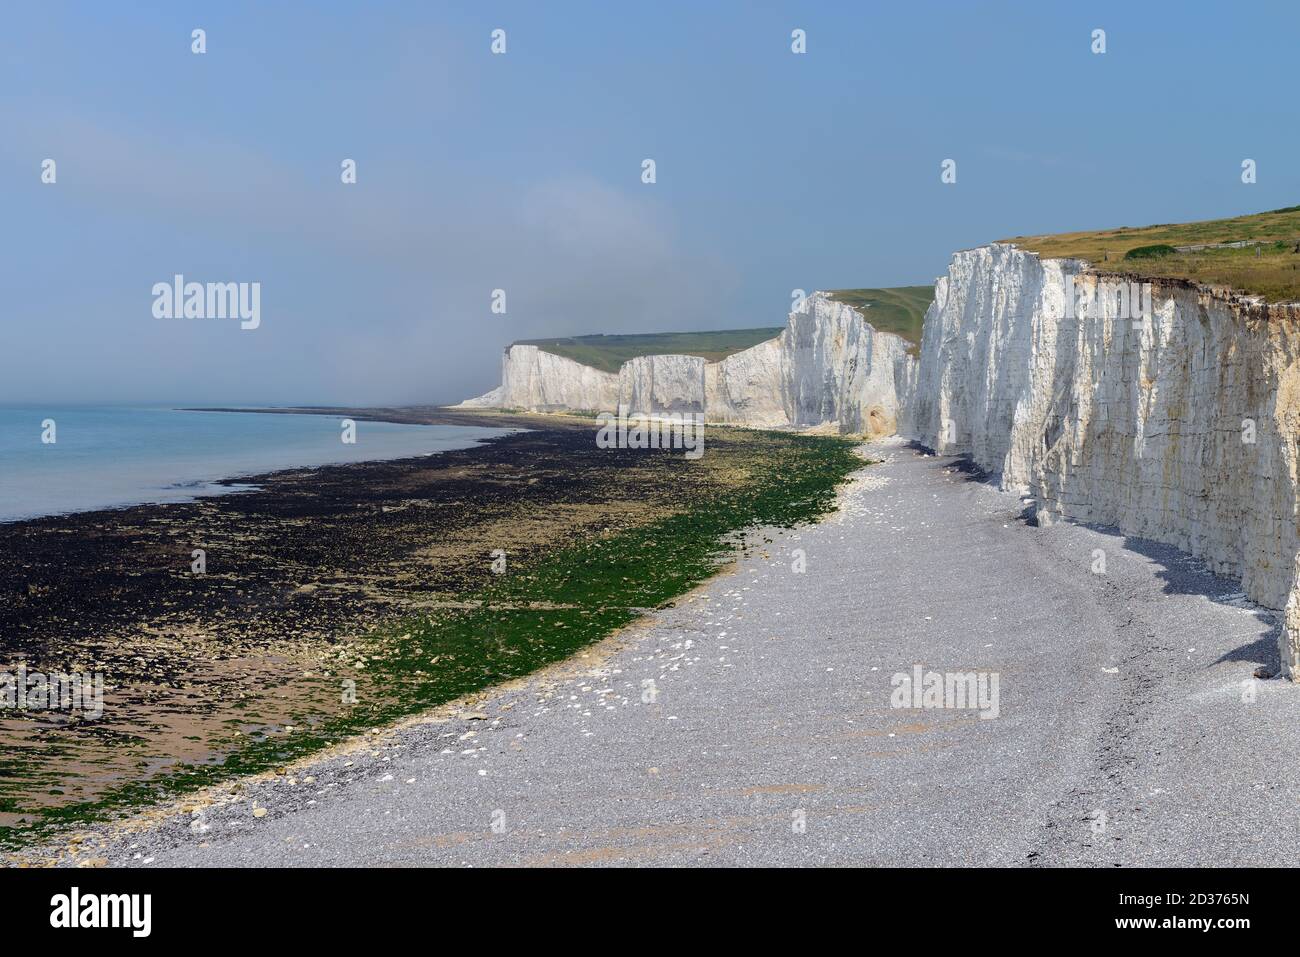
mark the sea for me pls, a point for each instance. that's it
(57, 460)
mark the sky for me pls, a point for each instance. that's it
(523, 171)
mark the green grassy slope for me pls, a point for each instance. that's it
(899, 310)
(607, 353)
(1269, 267)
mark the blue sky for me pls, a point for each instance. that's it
(775, 171)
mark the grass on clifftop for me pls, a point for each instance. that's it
(899, 310)
(608, 353)
(1269, 266)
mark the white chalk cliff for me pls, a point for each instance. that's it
(1180, 428)
(829, 367)
(541, 382)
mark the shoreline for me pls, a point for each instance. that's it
(373, 573)
(250, 478)
(764, 716)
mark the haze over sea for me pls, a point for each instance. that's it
(112, 456)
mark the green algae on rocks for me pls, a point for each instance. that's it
(684, 522)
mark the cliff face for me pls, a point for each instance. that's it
(840, 369)
(541, 382)
(749, 388)
(662, 384)
(1180, 427)
(829, 367)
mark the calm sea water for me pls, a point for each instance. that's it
(110, 457)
